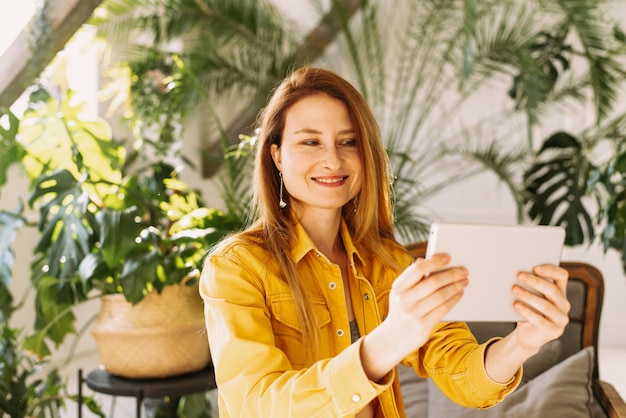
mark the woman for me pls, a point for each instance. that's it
(310, 310)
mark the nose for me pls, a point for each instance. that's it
(332, 159)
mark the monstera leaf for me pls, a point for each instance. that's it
(58, 134)
(556, 185)
(65, 230)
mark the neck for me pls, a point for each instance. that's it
(323, 228)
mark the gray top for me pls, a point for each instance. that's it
(354, 331)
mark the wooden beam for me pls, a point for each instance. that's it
(21, 63)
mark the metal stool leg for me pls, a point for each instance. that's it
(172, 406)
(80, 393)
(139, 402)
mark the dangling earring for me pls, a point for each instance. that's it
(354, 204)
(281, 202)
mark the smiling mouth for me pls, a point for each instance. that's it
(332, 180)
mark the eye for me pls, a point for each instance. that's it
(349, 142)
(311, 142)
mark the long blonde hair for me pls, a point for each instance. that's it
(369, 217)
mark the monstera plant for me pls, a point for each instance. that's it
(566, 186)
(103, 229)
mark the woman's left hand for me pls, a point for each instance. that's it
(542, 301)
(545, 309)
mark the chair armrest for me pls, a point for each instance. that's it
(611, 401)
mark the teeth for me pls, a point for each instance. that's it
(328, 181)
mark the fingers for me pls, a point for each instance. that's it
(418, 270)
(549, 281)
(540, 310)
(557, 274)
(437, 302)
(429, 286)
(544, 296)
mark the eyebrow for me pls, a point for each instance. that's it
(315, 131)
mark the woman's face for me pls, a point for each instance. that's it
(319, 155)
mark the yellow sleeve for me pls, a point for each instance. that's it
(455, 362)
(254, 377)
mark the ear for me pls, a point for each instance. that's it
(276, 156)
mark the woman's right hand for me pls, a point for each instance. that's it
(419, 298)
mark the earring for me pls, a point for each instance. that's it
(281, 202)
(354, 204)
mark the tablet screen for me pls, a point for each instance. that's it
(493, 255)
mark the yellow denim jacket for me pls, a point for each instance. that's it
(256, 346)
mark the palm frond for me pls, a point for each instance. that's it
(505, 164)
(595, 33)
(223, 44)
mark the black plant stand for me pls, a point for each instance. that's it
(99, 380)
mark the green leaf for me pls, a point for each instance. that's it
(55, 319)
(118, 231)
(139, 270)
(11, 152)
(10, 224)
(619, 165)
(91, 404)
(46, 394)
(195, 406)
(15, 367)
(556, 187)
(36, 343)
(595, 33)
(59, 135)
(11, 131)
(559, 141)
(63, 223)
(618, 33)
(612, 216)
(90, 266)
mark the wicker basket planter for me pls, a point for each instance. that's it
(161, 336)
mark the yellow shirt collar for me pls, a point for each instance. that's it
(304, 244)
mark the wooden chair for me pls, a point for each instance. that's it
(585, 293)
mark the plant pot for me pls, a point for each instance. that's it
(161, 336)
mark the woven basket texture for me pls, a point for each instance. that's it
(161, 336)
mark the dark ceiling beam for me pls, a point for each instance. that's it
(25, 59)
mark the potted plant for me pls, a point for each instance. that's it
(104, 231)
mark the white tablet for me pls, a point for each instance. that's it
(493, 255)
